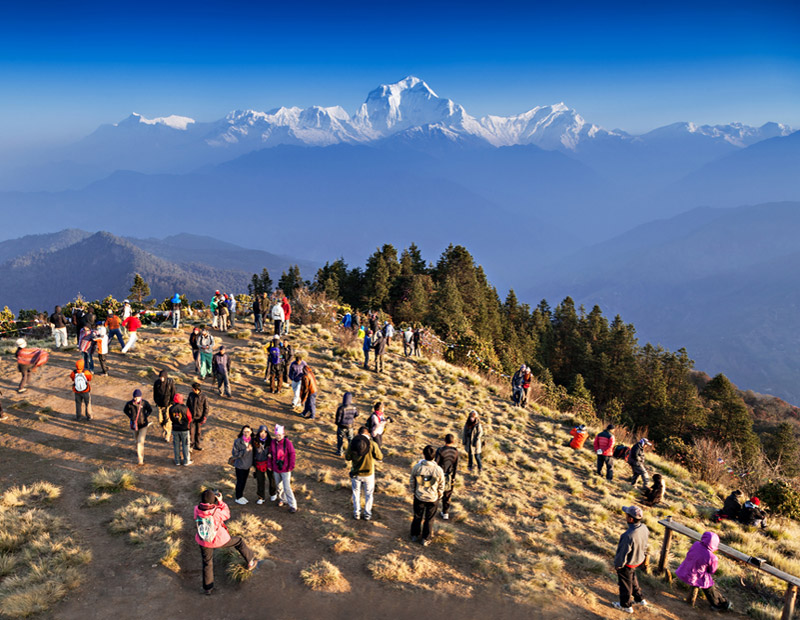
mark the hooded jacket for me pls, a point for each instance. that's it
(472, 437)
(700, 562)
(261, 448)
(636, 458)
(281, 456)
(276, 314)
(347, 412)
(163, 390)
(427, 481)
(308, 384)
(287, 309)
(578, 438)
(296, 370)
(363, 452)
(179, 415)
(220, 513)
(87, 373)
(632, 547)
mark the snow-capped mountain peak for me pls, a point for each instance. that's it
(173, 121)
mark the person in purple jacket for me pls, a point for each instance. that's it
(699, 566)
(281, 462)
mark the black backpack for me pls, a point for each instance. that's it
(621, 451)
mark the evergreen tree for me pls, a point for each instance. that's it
(377, 281)
(781, 446)
(729, 420)
(290, 282)
(418, 265)
(447, 311)
(140, 289)
(260, 284)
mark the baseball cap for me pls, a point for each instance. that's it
(633, 511)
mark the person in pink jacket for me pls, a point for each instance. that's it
(209, 517)
(699, 566)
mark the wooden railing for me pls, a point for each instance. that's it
(792, 582)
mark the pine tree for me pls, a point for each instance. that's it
(260, 284)
(290, 282)
(377, 281)
(447, 311)
(782, 448)
(729, 419)
(140, 289)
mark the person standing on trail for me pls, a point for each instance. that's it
(604, 448)
(631, 553)
(206, 344)
(308, 393)
(636, 460)
(221, 365)
(427, 487)
(417, 340)
(408, 337)
(138, 411)
(132, 324)
(363, 452)
(77, 320)
(209, 517)
(82, 388)
(224, 313)
(273, 375)
(261, 444)
(281, 461)
(113, 324)
(212, 307)
(447, 459)
(258, 319)
(180, 420)
(287, 313)
(59, 323)
(472, 438)
(366, 348)
(176, 311)
(296, 369)
(376, 424)
(163, 393)
(126, 309)
(197, 402)
(86, 345)
(388, 333)
(28, 360)
(278, 317)
(195, 348)
(242, 461)
(346, 413)
(379, 345)
(579, 436)
(697, 569)
(101, 347)
(232, 308)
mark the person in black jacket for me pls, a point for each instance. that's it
(636, 461)
(380, 350)
(181, 420)
(345, 418)
(752, 515)
(138, 411)
(261, 447)
(163, 393)
(197, 402)
(221, 366)
(447, 459)
(730, 509)
(59, 322)
(195, 348)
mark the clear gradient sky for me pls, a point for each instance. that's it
(66, 67)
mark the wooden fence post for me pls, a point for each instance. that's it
(662, 561)
(788, 602)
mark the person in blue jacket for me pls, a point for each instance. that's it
(367, 347)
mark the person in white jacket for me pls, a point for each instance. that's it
(101, 344)
(278, 317)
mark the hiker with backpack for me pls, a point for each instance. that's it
(604, 448)
(132, 324)
(180, 420)
(281, 461)
(631, 553)
(163, 394)
(472, 439)
(82, 388)
(273, 375)
(698, 568)
(346, 414)
(101, 347)
(138, 411)
(86, 346)
(654, 494)
(209, 517)
(296, 369)
(427, 487)
(362, 453)
(636, 461)
(579, 436)
(261, 445)
(205, 342)
(376, 423)
(242, 461)
(221, 366)
(308, 394)
(447, 459)
(197, 403)
(59, 323)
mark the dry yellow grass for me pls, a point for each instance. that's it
(113, 480)
(148, 523)
(324, 577)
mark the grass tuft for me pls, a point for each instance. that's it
(324, 577)
(113, 480)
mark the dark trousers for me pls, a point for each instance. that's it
(446, 500)
(478, 460)
(261, 478)
(640, 471)
(24, 371)
(241, 480)
(378, 362)
(196, 435)
(424, 513)
(629, 589)
(310, 409)
(341, 433)
(278, 324)
(274, 377)
(715, 597)
(406, 348)
(378, 439)
(102, 359)
(237, 542)
(366, 359)
(196, 358)
(608, 462)
(83, 402)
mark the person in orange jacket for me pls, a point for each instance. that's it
(579, 435)
(82, 387)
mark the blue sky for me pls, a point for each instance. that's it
(67, 67)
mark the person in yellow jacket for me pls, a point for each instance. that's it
(427, 487)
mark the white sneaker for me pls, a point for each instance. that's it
(642, 603)
(241, 501)
(445, 516)
(626, 610)
(187, 463)
(272, 498)
(260, 501)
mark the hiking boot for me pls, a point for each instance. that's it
(198, 449)
(242, 501)
(88, 417)
(414, 538)
(625, 610)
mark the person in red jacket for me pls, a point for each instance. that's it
(209, 517)
(132, 324)
(579, 435)
(604, 447)
(82, 387)
(287, 312)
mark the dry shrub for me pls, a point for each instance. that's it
(148, 523)
(242, 334)
(393, 568)
(324, 577)
(258, 533)
(38, 492)
(113, 480)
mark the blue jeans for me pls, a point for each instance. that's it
(258, 322)
(118, 334)
(88, 362)
(368, 484)
(176, 319)
(310, 410)
(180, 444)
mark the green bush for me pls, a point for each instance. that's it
(781, 498)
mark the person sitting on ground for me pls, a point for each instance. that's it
(654, 494)
(210, 516)
(698, 567)
(730, 509)
(752, 515)
(579, 435)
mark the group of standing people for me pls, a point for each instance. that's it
(279, 311)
